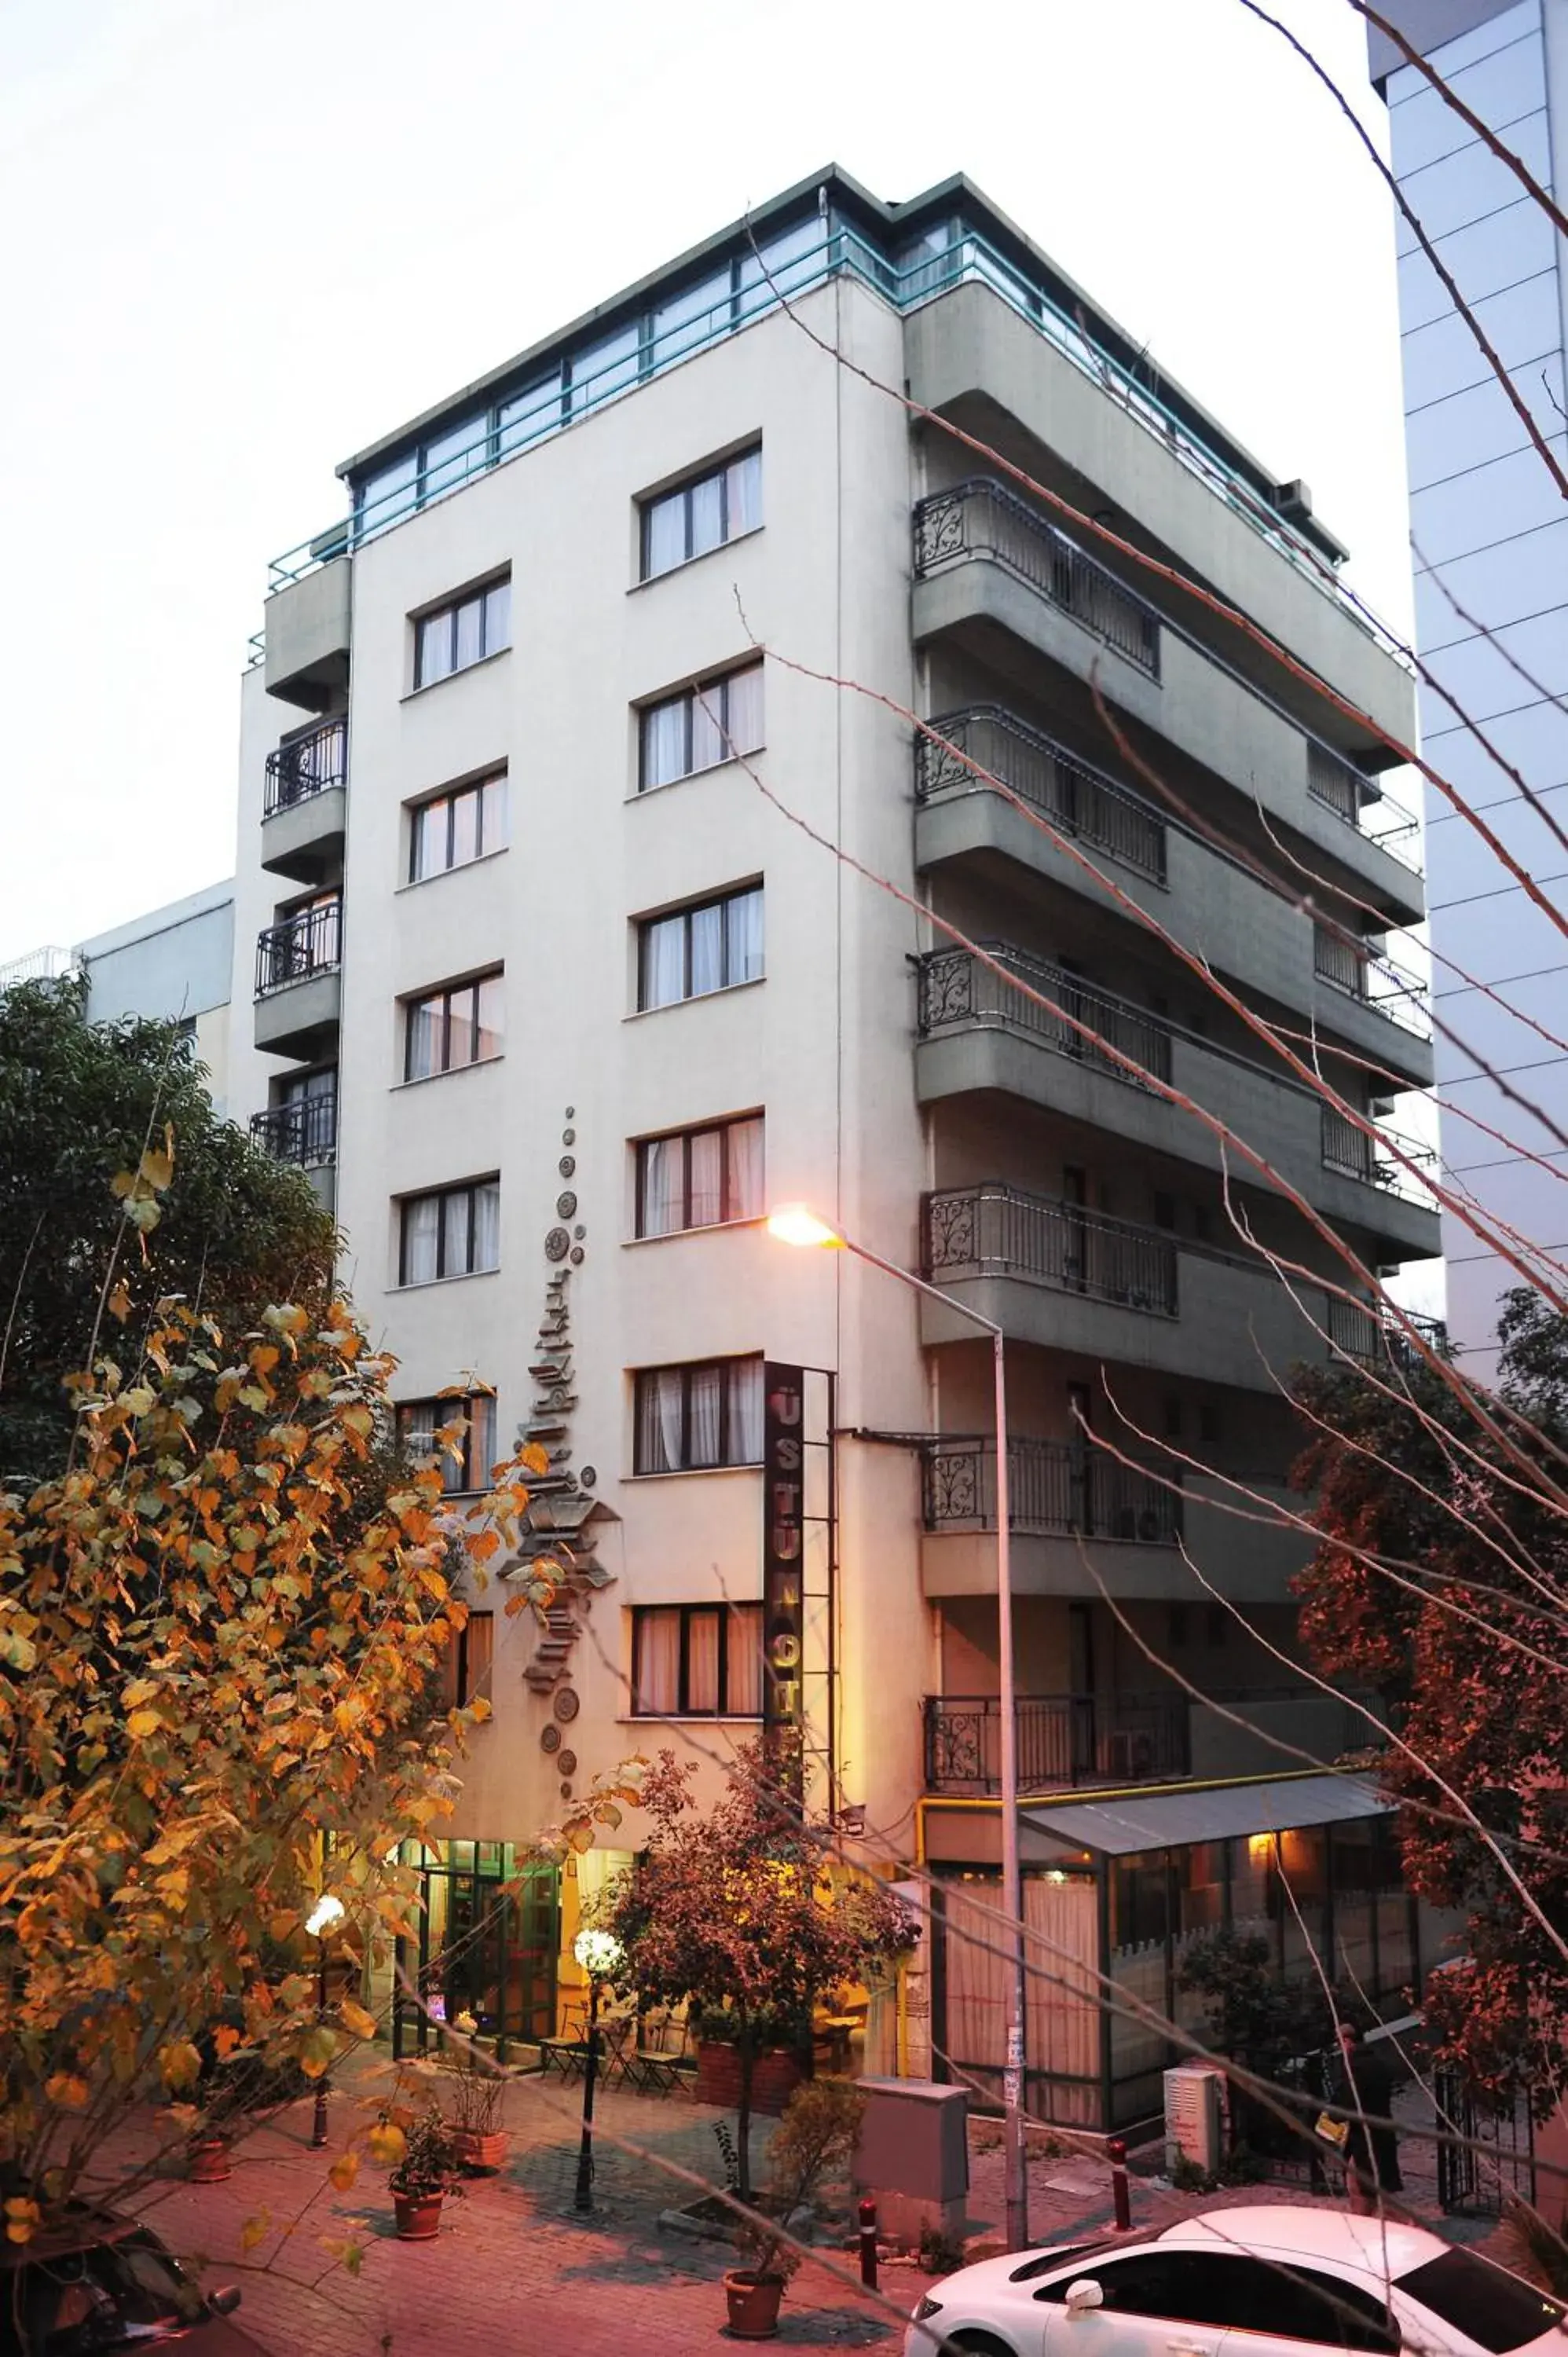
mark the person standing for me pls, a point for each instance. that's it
(1365, 2091)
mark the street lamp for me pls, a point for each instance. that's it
(599, 1952)
(326, 1911)
(796, 1223)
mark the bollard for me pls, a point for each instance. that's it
(868, 2243)
(1117, 2152)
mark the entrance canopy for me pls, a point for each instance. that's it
(1122, 1827)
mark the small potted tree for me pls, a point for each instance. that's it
(815, 2140)
(477, 2089)
(424, 2176)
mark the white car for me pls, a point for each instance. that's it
(1261, 2281)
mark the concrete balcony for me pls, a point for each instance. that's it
(308, 628)
(305, 810)
(980, 1034)
(300, 982)
(995, 577)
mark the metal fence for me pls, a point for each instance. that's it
(1054, 1486)
(307, 944)
(305, 766)
(305, 1131)
(1079, 800)
(1062, 1740)
(956, 988)
(983, 519)
(1347, 1148)
(997, 1231)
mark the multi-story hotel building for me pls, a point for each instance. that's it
(557, 984)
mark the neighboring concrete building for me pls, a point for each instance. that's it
(175, 963)
(563, 1001)
(1491, 537)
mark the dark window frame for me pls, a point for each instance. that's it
(443, 1195)
(445, 998)
(686, 1139)
(474, 791)
(692, 908)
(468, 1663)
(687, 1369)
(684, 1708)
(719, 471)
(714, 691)
(448, 612)
(443, 1412)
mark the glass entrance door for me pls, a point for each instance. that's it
(489, 1935)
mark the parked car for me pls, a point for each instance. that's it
(1259, 2281)
(101, 2283)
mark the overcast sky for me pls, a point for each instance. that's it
(248, 236)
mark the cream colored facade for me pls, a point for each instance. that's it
(888, 1083)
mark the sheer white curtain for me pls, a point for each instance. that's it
(656, 1666)
(487, 1227)
(708, 949)
(661, 1181)
(746, 493)
(426, 1020)
(658, 1420)
(706, 1202)
(743, 715)
(664, 742)
(745, 1197)
(744, 928)
(421, 1228)
(974, 2034)
(743, 1698)
(709, 725)
(703, 1428)
(663, 961)
(663, 536)
(745, 1412)
(702, 1661)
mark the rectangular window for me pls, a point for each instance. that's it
(462, 633)
(449, 1029)
(454, 1231)
(701, 514)
(697, 1660)
(711, 946)
(467, 1666)
(451, 829)
(466, 1453)
(705, 1413)
(699, 1177)
(700, 727)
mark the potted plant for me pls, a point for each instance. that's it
(424, 2176)
(236, 2088)
(815, 2140)
(477, 2087)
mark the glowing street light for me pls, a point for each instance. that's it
(796, 1223)
(599, 1953)
(326, 1911)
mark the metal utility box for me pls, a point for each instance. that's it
(1193, 2115)
(913, 2155)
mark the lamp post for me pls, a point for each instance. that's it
(326, 1911)
(599, 1952)
(794, 1223)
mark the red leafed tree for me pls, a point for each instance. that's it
(741, 1912)
(1459, 1626)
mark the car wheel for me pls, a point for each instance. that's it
(979, 2344)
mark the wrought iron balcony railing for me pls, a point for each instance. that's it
(1063, 1740)
(1054, 1487)
(309, 943)
(983, 519)
(1375, 982)
(1350, 1151)
(1361, 1331)
(998, 1231)
(305, 766)
(956, 989)
(1076, 796)
(305, 1132)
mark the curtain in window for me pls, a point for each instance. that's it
(656, 1667)
(703, 1416)
(664, 743)
(663, 534)
(974, 2034)
(708, 725)
(470, 632)
(416, 1428)
(743, 920)
(490, 1030)
(702, 1661)
(433, 653)
(426, 1026)
(743, 1637)
(745, 714)
(480, 1636)
(659, 1210)
(663, 961)
(658, 1420)
(497, 617)
(706, 1203)
(428, 847)
(421, 1229)
(493, 827)
(481, 1440)
(488, 1226)
(745, 1170)
(465, 829)
(707, 505)
(745, 1411)
(746, 494)
(708, 949)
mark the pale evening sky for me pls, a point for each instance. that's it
(249, 236)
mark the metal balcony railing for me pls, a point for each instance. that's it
(309, 943)
(1348, 1150)
(306, 766)
(998, 1231)
(1054, 1486)
(1062, 1740)
(1375, 981)
(304, 1132)
(983, 519)
(1345, 789)
(956, 990)
(1079, 800)
(1362, 1330)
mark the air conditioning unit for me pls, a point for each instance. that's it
(1294, 501)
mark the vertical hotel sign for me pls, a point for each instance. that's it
(783, 1535)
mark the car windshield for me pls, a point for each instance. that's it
(1046, 2263)
(113, 2296)
(1498, 2311)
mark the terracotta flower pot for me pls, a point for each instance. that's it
(207, 2160)
(418, 2216)
(774, 2079)
(753, 2303)
(479, 2149)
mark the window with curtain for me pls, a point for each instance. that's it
(452, 828)
(711, 946)
(706, 1413)
(699, 1177)
(453, 1232)
(701, 514)
(467, 1665)
(449, 1029)
(462, 633)
(697, 1660)
(467, 1450)
(700, 727)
